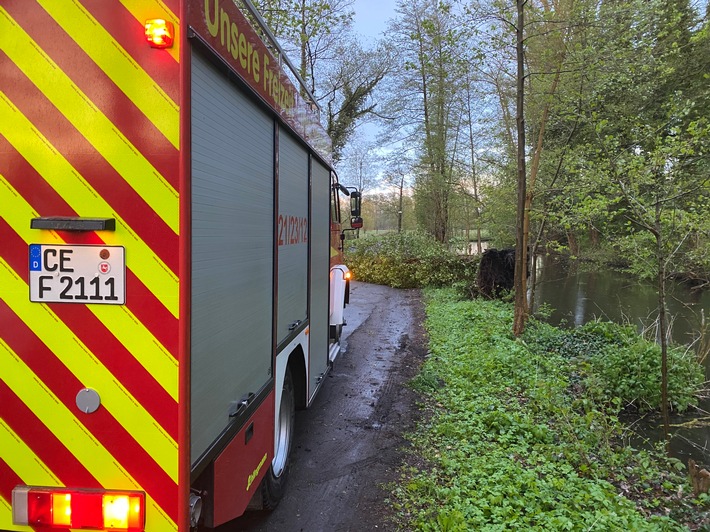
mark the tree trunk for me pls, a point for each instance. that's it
(662, 325)
(401, 204)
(594, 236)
(572, 243)
(520, 284)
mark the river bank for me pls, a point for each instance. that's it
(578, 293)
(520, 436)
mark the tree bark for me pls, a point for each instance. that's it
(520, 284)
(662, 325)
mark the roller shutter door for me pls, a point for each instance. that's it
(292, 235)
(232, 250)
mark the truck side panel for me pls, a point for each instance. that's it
(89, 128)
(232, 251)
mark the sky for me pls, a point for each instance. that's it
(371, 16)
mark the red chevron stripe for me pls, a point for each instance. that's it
(130, 34)
(8, 480)
(42, 442)
(112, 354)
(102, 425)
(89, 163)
(173, 5)
(44, 199)
(93, 82)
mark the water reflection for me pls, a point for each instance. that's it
(578, 295)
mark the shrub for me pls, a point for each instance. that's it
(407, 260)
(629, 367)
(618, 365)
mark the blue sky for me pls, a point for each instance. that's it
(371, 16)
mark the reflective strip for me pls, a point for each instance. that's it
(143, 10)
(85, 201)
(88, 370)
(96, 127)
(127, 329)
(21, 212)
(67, 428)
(138, 340)
(118, 65)
(60, 421)
(19, 457)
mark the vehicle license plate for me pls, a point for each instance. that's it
(77, 274)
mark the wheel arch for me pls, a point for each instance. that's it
(297, 364)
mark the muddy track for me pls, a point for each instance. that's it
(349, 443)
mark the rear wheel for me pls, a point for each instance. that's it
(274, 484)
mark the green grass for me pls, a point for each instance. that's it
(515, 441)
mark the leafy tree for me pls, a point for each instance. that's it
(423, 106)
(336, 69)
(540, 35)
(645, 145)
(349, 90)
(310, 28)
(398, 179)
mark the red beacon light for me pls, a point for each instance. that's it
(159, 33)
(43, 507)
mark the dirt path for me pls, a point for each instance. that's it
(350, 441)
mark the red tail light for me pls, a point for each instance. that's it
(78, 508)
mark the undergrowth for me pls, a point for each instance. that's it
(523, 435)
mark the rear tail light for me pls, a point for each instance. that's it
(78, 508)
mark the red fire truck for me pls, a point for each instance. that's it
(171, 281)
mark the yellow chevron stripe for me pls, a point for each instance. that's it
(139, 341)
(67, 428)
(86, 201)
(94, 125)
(124, 325)
(88, 369)
(20, 208)
(6, 518)
(118, 65)
(20, 458)
(143, 10)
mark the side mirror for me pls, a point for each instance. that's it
(356, 222)
(355, 201)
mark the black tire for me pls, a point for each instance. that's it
(273, 486)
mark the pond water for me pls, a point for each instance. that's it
(578, 295)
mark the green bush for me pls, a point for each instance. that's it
(619, 366)
(629, 367)
(407, 260)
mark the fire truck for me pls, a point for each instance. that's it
(172, 285)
